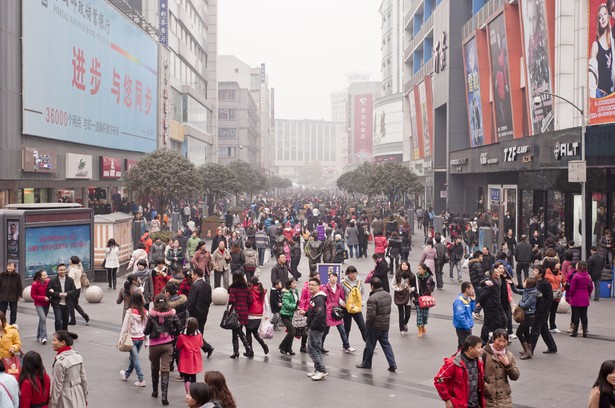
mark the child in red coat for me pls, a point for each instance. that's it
(189, 345)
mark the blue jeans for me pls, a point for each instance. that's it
(261, 256)
(373, 336)
(133, 360)
(41, 331)
(343, 335)
(314, 349)
(356, 250)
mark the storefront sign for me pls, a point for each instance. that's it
(39, 160)
(512, 153)
(129, 164)
(486, 160)
(439, 54)
(428, 165)
(78, 166)
(459, 162)
(177, 131)
(110, 167)
(564, 150)
(494, 194)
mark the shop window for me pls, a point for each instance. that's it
(556, 217)
(598, 217)
(527, 206)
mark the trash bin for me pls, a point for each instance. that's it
(606, 288)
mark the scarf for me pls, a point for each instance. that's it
(497, 353)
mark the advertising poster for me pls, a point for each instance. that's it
(600, 71)
(536, 45)
(498, 53)
(475, 113)
(363, 125)
(324, 269)
(46, 247)
(416, 151)
(12, 243)
(425, 120)
(79, 57)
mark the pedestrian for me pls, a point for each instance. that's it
(378, 317)
(290, 298)
(130, 286)
(354, 294)
(529, 299)
(174, 255)
(199, 395)
(393, 251)
(523, 256)
(34, 383)
(456, 258)
(352, 239)
(594, 268)
(602, 394)
(221, 259)
(75, 271)
(240, 298)
(258, 310)
(10, 290)
(557, 280)
(221, 394)
(581, 287)
(134, 326)
(335, 301)
(137, 255)
(539, 328)
(280, 270)
(424, 287)
(202, 260)
(404, 284)
(112, 262)
(317, 325)
(460, 380)
(10, 386)
(199, 300)
(381, 270)
(161, 326)
(237, 258)
(429, 256)
(380, 243)
(477, 276)
(61, 291)
(500, 367)
(69, 384)
(463, 309)
(442, 257)
(251, 259)
(146, 281)
(275, 302)
(491, 301)
(38, 291)
(189, 345)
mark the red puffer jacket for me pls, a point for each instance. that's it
(381, 244)
(451, 382)
(258, 300)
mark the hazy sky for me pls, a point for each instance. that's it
(307, 47)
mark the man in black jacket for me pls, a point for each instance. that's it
(491, 301)
(60, 291)
(199, 300)
(594, 268)
(317, 325)
(280, 271)
(10, 290)
(381, 271)
(523, 256)
(488, 260)
(543, 305)
(440, 260)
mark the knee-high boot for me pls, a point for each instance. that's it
(207, 348)
(249, 352)
(164, 387)
(235, 347)
(155, 376)
(262, 343)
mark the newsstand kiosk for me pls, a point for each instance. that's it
(41, 236)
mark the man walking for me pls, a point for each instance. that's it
(377, 319)
(440, 260)
(523, 256)
(199, 300)
(463, 307)
(594, 268)
(61, 291)
(460, 380)
(543, 306)
(317, 325)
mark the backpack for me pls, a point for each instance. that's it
(250, 258)
(354, 302)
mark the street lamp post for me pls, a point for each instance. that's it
(538, 101)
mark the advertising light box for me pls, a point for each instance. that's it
(89, 75)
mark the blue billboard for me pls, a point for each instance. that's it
(46, 247)
(89, 75)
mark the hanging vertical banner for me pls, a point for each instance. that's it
(537, 62)
(475, 115)
(601, 74)
(426, 125)
(416, 152)
(498, 53)
(363, 125)
(163, 22)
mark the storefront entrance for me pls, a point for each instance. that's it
(502, 206)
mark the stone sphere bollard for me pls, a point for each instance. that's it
(219, 296)
(26, 294)
(563, 307)
(94, 294)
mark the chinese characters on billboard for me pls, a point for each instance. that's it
(95, 58)
(475, 114)
(363, 126)
(536, 42)
(601, 74)
(425, 120)
(498, 53)
(416, 151)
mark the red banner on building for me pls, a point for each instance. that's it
(110, 167)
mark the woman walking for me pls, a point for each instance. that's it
(429, 255)
(69, 385)
(10, 341)
(424, 287)
(189, 345)
(256, 313)
(500, 367)
(123, 297)
(112, 261)
(528, 302)
(557, 280)
(352, 283)
(290, 298)
(237, 259)
(581, 288)
(161, 326)
(34, 383)
(240, 297)
(394, 251)
(404, 284)
(134, 324)
(75, 271)
(41, 303)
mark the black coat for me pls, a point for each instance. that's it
(10, 286)
(476, 272)
(491, 296)
(594, 266)
(56, 286)
(317, 313)
(544, 302)
(523, 252)
(199, 299)
(381, 271)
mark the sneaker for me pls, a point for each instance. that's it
(350, 350)
(318, 376)
(555, 330)
(311, 374)
(512, 336)
(43, 341)
(140, 384)
(123, 375)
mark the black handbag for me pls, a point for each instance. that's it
(230, 320)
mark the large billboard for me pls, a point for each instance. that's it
(46, 247)
(416, 150)
(498, 53)
(601, 74)
(89, 75)
(537, 62)
(426, 127)
(363, 125)
(475, 110)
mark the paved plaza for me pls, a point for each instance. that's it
(560, 380)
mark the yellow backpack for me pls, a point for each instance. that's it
(354, 302)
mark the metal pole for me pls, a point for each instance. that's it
(583, 192)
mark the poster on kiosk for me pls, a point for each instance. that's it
(42, 236)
